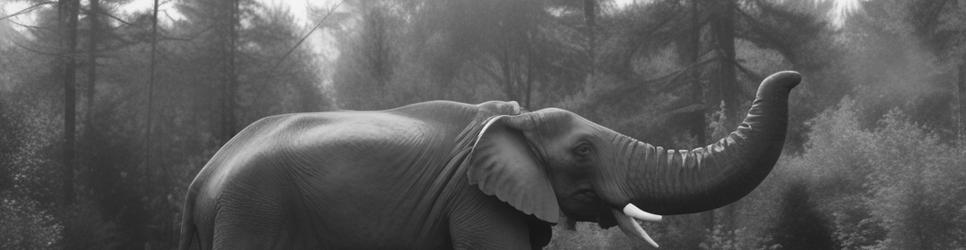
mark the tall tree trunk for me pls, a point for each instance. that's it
(590, 21)
(149, 123)
(528, 88)
(507, 70)
(229, 71)
(89, 127)
(723, 28)
(697, 89)
(67, 12)
(960, 106)
(149, 114)
(380, 59)
(94, 23)
(698, 124)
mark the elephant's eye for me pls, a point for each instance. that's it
(583, 150)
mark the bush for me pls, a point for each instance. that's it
(915, 186)
(25, 225)
(800, 225)
(894, 185)
(88, 229)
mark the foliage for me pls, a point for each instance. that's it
(800, 225)
(125, 199)
(720, 238)
(914, 187)
(886, 187)
(837, 173)
(31, 132)
(24, 224)
(587, 236)
(88, 229)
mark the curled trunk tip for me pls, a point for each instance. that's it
(686, 181)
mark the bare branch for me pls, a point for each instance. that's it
(28, 9)
(115, 18)
(686, 69)
(38, 51)
(665, 81)
(747, 72)
(748, 92)
(306, 36)
(487, 70)
(33, 27)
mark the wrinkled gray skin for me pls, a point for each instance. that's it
(428, 176)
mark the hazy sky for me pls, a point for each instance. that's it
(299, 8)
(322, 41)
(300, 11)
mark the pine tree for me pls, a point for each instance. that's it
(800, 225)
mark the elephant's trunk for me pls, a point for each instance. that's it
(687, 181)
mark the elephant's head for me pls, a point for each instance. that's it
(550, 161)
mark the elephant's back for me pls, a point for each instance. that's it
(347, 170)
(348, 137)
(337, 165)
(311, 143)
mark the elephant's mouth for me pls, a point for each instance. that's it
(586, 195)
(581, 204)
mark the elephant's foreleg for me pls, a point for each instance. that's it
(488, 223)
(252, 226)
(261, 221)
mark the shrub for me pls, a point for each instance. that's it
(25, 225)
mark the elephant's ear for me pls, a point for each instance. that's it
(502, 164)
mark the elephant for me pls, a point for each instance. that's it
(449, 175)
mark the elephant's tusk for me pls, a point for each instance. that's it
(637, 213)
(631, 228)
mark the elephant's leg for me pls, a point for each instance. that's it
(249, 226)
(488, 223)
(259, 221)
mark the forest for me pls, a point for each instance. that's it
(107, 112)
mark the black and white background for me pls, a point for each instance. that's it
(105, 117)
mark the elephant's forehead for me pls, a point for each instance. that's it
(569, 124)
